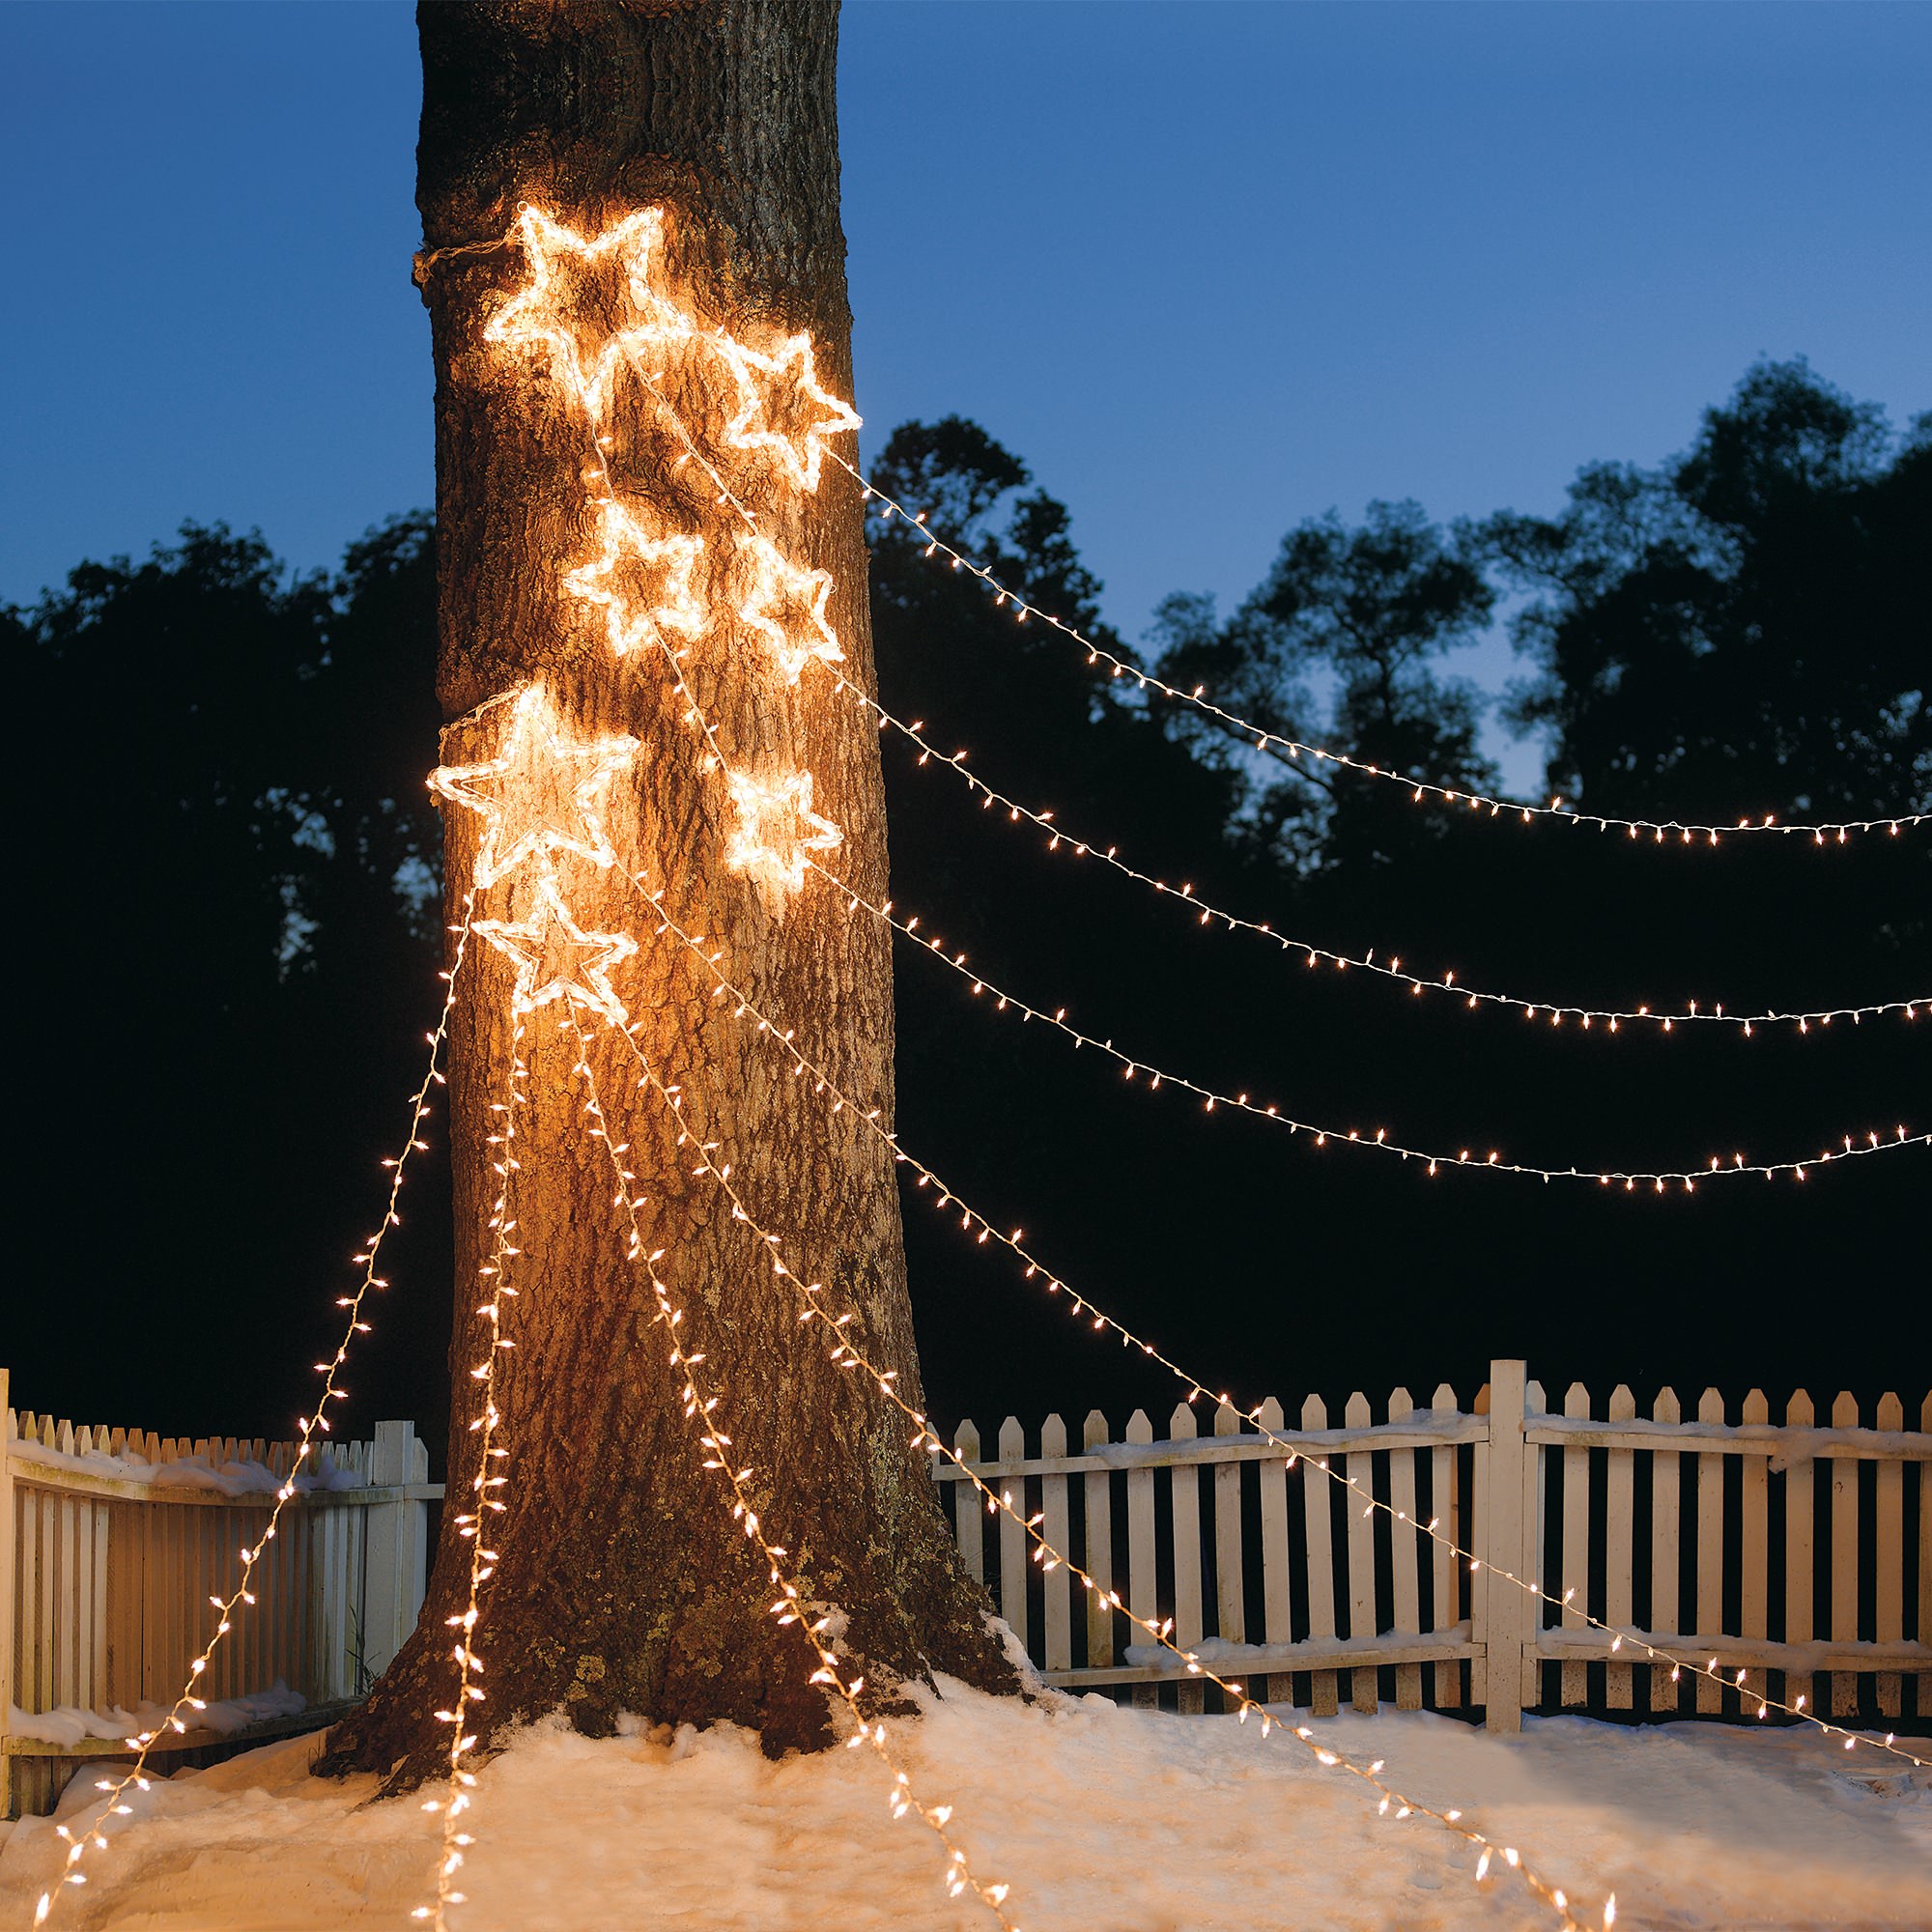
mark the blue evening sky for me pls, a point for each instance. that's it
(1208, 268)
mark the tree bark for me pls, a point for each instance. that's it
(622, 1584)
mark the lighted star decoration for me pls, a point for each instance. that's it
(777, 829)
(590, 303)
(556, 959)
(782, 408)
(787, 607)
(642, 581)
(515, 793)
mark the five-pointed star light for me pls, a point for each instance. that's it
(787, 607)
(782, 408)
(643, 582)
(591, 303)
(556, 959)
(514, 792)
(777, 829)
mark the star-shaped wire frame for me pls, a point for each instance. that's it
(787, 607)
(664, 563)
(556, 959)
(777, 829)
(591, 303)
(514, 793)
(782, 408)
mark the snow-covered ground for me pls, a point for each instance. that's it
(1102, 1819)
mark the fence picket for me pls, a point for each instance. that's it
(1185, 1501)
(1710, 1694)
(1574, 1576)
(1889, 1578)
(1363, 1686)
(1315, 1501)
(969, 1513)
(1406, 1585)
(1800, 1552)
(1099, 1499)
(1844, 1557)
(1230, 1611)
(1619, 1545)
(1058, 1530)
(1446, 1592)
(1754, 1531)
(1664, 1477)
(1277, 1619)
(1143, 1587)
(1012, 1533)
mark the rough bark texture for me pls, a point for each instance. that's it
(623, 1585)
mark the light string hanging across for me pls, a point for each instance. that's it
(315, 1424)
(1208, 913)
(816, 1625)
(1392, 1802)
(1097, 1320)
(473, 1524)
(1260, 738)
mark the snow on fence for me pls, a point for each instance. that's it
(1796, 1549)
(113, 1541)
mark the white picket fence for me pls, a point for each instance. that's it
(105, 1584)
(1790, 1548)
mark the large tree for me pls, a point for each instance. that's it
(621, 1581)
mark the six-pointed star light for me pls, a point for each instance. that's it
(787, 607)
(512, 791)
(556, 959)
(591, 303)
(777, 829)
(643, 582)
(782, 408)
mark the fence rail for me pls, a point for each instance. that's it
(107, 1572)
(1790, 1547)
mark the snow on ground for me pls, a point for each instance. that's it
(1104, 1819)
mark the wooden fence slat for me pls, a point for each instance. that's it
(1363, 1687)
(1186, 1515)
(1230, 1608)
(1142, 1586)
(1277, 1616)
(1664, 1545)
(1710, 1695)
(1889, 1578)
(1443, 1574)
(969, 1511)
(1574, 1573)
(1476, 1573)
(1099, 1553)
(1619, 1545)
(1406, 1585)
(1315, 1499)
(1754, 1533)
(1059, 1530)
(1012, 1533)
(1844, 1557)
(1800, 1552)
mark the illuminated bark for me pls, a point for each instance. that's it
(622, 1583)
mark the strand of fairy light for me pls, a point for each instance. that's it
(791, 1607)
(1083, 1308)
(1210, 915)
(460, 1781)
(242, 1598)
(845, 1353)
(1207, 913)
(1832, 832)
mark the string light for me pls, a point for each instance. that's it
(472, 1523)
(1097, 1320)
(718, 1454)
(1058, 837)
(241, 1599)
(844, 1350)
(1657, 831)
(510, 791)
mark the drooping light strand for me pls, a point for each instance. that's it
(817, 1309)
(1099, 1321)
(1609, 1019)
(718, 1453)
(1211, 1098)
(474, 1523)
(240, 1600)
(1657, 831)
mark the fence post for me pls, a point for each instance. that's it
(6, 1595)
(393, 1554)
(1503, 1537)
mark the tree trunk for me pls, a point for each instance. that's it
(622, 1583)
